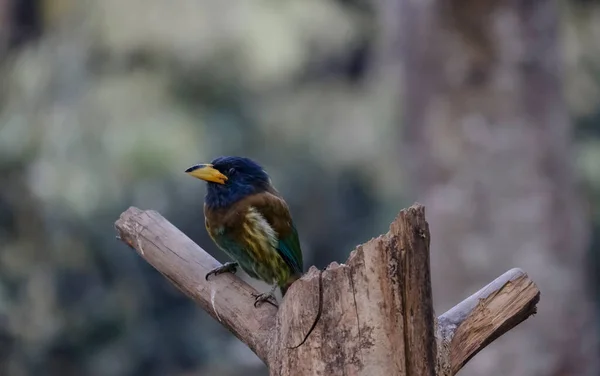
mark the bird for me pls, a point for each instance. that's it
(248, 219)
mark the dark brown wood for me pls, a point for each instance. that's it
(419, 336)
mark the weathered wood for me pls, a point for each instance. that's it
(376, 317)
(486, 315)
(227, 298)
(419, 333)
(370, 316)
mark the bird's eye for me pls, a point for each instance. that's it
(231, 171)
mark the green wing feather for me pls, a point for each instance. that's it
(289, 248)
(237, 251)
(228, 231)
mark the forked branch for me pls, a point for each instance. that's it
(461, 332)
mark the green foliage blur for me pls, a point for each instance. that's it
(104, 104)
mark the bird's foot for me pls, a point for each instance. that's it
(228, 267)
(268, 297)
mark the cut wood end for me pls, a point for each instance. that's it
(227, 298)
(128, 227)
(457, 314)
(486, 315)
(131, 212)
(515, 294)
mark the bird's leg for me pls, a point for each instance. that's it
(228, 267)
(268, 297)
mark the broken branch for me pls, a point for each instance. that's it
(475, 322)
(375, 302)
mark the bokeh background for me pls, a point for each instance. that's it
(487, 112)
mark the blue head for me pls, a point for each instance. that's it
(230, 179)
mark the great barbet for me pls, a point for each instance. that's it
(249, 220)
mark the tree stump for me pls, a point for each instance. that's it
(371, 316)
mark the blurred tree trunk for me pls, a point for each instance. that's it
(488, 146)
(4, 27)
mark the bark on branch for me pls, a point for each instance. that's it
(227, 298)
(475, 322)
(370, 316)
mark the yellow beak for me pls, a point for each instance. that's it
(207, 172)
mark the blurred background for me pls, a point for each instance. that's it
(487, 112)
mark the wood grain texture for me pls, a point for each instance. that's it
(370, 316)
(484, 316)
(299, 323)
(225, 297)
(377, 316)
(419, 336)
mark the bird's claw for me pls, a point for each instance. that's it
(268, 297)
(228, 267)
